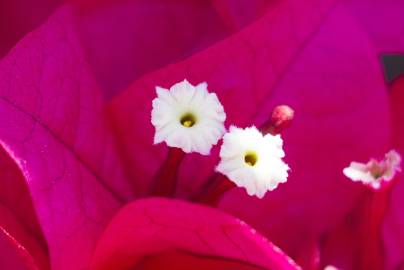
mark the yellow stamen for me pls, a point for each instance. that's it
(188, 120)
(250, 158)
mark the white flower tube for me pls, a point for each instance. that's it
(188, 117)
(252, 160)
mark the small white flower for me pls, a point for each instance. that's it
(253, 161)
(188, 117)
(374, 173)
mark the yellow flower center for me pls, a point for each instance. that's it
(250, 158)
(188, 120)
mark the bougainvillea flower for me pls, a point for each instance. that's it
(58, 144)
(188, 117)
(252, 160)
(271, 61)
(375, 173)
(75, 160)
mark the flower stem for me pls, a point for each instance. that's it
(165, 181)
(213, 191)
(374, 210)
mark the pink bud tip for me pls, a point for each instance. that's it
(280, 120)
(282, 117)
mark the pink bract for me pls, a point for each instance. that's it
(53, 130)
(281, 58)
(153, 233)
(77, 142)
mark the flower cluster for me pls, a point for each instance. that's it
(191, 118)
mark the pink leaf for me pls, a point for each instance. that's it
(18, 17)
(126, 39)
(237, 14)
(151, 232)
(52, 127)
(382, 20)
(13, 255)
(18, 220)
(312, 56)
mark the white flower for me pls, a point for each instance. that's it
(188, 117)
(374, 173)
(253, 161)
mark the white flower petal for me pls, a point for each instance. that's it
(357, 173)
(268, 169)
(374, 172)
(206, 115)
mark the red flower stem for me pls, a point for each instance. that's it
(214, 190)
(165, 181)
(375, 208)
